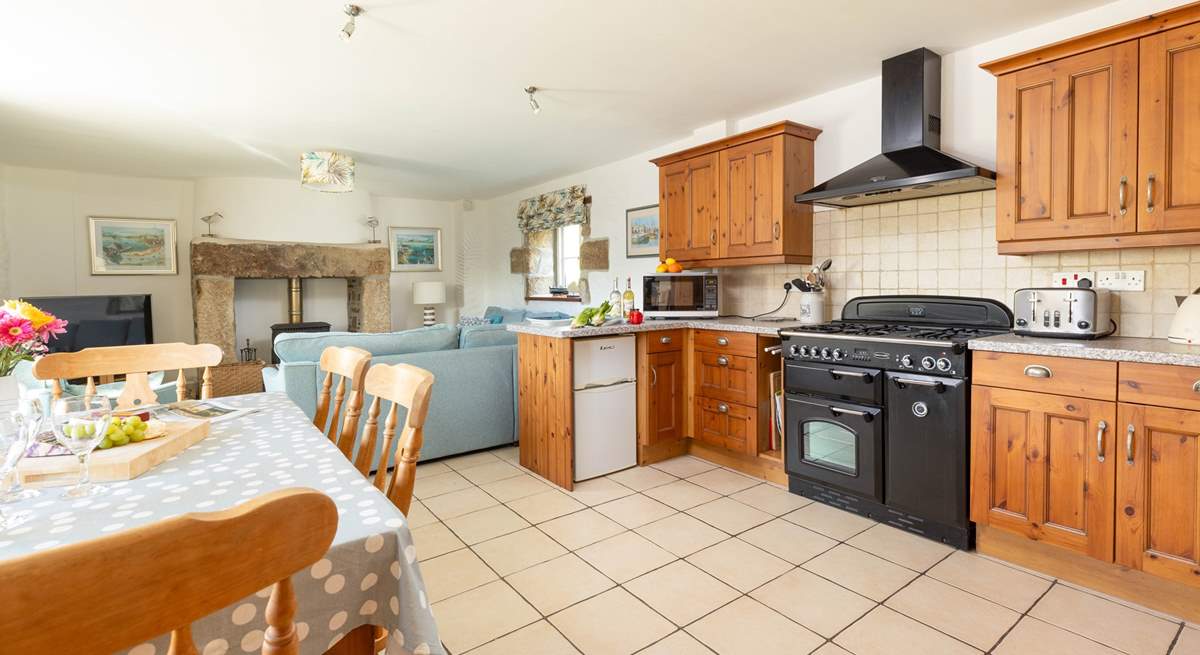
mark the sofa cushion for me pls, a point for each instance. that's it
(482, 336)
(308, 346)
(548, 316)
(515, 315)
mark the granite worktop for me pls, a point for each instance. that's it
(1114, 349)
(768, 328)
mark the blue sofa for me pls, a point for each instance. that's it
(474, 395)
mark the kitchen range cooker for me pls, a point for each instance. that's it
(877, 406)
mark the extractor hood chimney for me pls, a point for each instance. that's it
(911, 165)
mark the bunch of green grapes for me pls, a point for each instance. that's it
(124, 430)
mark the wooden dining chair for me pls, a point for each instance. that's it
(405, 386)
(345, 363)
(136, 363)
(118, 591)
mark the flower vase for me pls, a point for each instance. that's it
(10, 391)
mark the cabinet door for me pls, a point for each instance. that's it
(726, 425)
(1169, 131)
(751, 195)
(1043, 466)
(666, 396)
(725, 377)
(1066, 147)
(673, 209)
(1158, 492)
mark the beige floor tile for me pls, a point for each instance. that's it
(537, 639)
(640, 478)
(677, 643)
(515, 487)
(598, 490)
(436, 485)
(992, 580)
(1188, 643)
(435, 539)
(457, 503)
(480, 615)
(748, 626)
(681, 494)
(636, 510)
(1120, 601)
(545, 506)
(771, 499)
(970, 618)
(681, 592)
(862, 572)
(453, 573)
(682, 534)
(463, 462)
(829, 521)
(813, 601)
(729, 515)
(486, 524)
(739, 564)
(519, 550)
(788, 540)
(559, 583)
(510, 454)
(1034, 637)
(613, 623)
(885, 632)
(436, 468)
(574, 531)
(490, 472)
(831, 649)
(682, 467)
(1109, 623)
(419, 515)
(723, 481)
(625, 556)
(903, 548)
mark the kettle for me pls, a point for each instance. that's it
(1185, 328)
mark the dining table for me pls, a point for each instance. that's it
(369, 576)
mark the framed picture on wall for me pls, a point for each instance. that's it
(132, 246)
(641, 231)
(415, 248)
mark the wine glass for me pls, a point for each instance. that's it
(31, 416)
(13, 442)
(80, 423)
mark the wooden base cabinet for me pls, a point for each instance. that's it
(666, 396)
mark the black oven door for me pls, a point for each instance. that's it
(835, 443)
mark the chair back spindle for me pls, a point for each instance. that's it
(135, 363)
(349, 365)
(405, 386)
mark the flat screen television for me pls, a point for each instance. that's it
(99, 320)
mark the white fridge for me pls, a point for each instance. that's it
(605, 387)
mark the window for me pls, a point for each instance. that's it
(554, 261)
(566, 257)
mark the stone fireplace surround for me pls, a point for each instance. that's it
(217, 262)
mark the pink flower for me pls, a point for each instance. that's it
(52, 329)
(15, 330)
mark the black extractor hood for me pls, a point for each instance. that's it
(911, 165)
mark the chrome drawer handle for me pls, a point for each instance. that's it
(1150, 193)
(664, 340)
(1121, 195)
(867, 416)
(778, 350)
(722, 360)
(1129, 444)
(722, 341)
(723, 408)
(1038, 371)
(1102, 426)
(1196, 386)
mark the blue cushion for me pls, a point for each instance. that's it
(506, 315)
(308, 346)
(482, 336)
(548, 316)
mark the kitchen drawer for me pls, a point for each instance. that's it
(727, 425)
(1063, 376)
(665, 341)
(728, 343)
(725, 377)
(1159, 384)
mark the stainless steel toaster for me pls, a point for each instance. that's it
(1071, 312)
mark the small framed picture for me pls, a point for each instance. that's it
(132, 246)
(641, 231)
(415, 248)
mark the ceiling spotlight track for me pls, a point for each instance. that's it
(533, 103)
(348, 29)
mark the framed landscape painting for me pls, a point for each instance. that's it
(415, 248)
(641, 231)
(132, 246)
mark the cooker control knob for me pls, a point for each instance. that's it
(927, 362)
(794, 350)
(943, 364)
(906, 361)
(838, 354)
(824, 353)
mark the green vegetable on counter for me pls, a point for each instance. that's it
(593, 316)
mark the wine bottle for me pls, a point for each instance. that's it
(627, 298)
(614, 298)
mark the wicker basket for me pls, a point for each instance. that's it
(238, 378)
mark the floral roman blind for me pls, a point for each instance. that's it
(567, 206)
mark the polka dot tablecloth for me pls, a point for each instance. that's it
(370, 574)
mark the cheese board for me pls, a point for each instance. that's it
(124, 463)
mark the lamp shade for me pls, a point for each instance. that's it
(429, 293)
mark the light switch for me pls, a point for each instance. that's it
(1071, 278)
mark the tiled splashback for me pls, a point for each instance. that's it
(947, 246)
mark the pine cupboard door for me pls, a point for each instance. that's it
(689, 194)
(1158, 492)
(751, 214)
(666, 396)
(1066, 147)
(1169, 131)
(673, 208)
(1043, 466)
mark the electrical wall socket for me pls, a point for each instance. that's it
(1122, 280)
(1071, 278)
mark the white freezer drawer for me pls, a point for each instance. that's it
(605, 430)
(604, 360)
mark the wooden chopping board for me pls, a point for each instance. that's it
(120, 463)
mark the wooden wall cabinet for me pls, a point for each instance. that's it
(730, 202)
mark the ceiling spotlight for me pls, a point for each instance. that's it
(348, 29)
(533, 103)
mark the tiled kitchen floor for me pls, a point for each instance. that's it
(686, 557)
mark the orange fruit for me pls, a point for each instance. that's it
(675, 268)
(661, 268)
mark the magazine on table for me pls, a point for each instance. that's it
(196, 410)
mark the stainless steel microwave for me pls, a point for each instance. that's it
(691, 294)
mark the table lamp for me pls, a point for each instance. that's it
(429, 294)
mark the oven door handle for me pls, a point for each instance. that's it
(938, 386)
(865, 375)
(866, 416)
